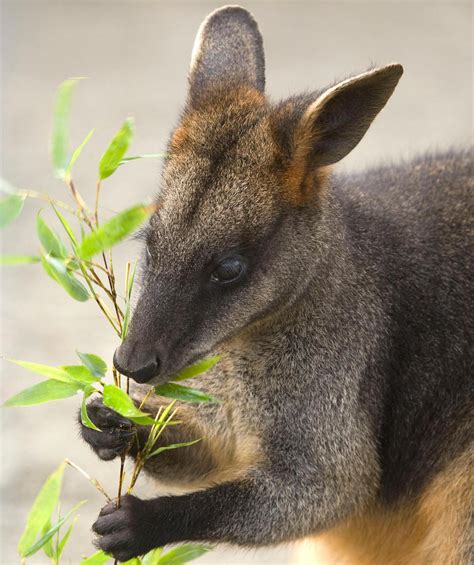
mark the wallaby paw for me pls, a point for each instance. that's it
(116, 435)
(125, 531)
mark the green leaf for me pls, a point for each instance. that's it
(60, 133)
(57, 373)
(10, 209)
(113, 231)
(183, 393)
(71, 264)
(80, 373)
(152, 557)
(18, 259)
(126, 316)
(42, 509)
(146, 156)
(172, 446)
(98, 558)
(66, 226)
(63, 541)
(84, 415)
(117, 399)
(76, 154)
(114, 153)
(133, 561)
(50, 533)
(196, 369)
(57, 270)
(149, 421)
(49, 240)
(183, 554)
(96, 365)
(48, 547)
(45, 391)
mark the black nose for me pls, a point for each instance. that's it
(135, 362)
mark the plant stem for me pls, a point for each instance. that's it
(96, 208)
(80, 202)
(41, 196)
(145, 398)
(115, 375)
(95, 482)
(121, 477)
(114, 291)
(143, 454)
(106, 312)
(97, 282)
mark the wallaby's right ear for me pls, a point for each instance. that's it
(338, 119)
(228, 50)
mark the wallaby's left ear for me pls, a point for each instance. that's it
(228, 50)
(338, 119)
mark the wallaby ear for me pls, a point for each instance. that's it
(228, 49)
(338, 119)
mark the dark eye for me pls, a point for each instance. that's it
(229, 270)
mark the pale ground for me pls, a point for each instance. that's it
(135, 55)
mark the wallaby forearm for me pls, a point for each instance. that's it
(260, 510)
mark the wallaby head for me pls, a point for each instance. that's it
(244, 193)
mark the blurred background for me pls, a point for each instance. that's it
(135, 56)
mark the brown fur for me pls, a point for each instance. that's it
(345, 377)
(220, 456)
(434, 530)
(303, 180)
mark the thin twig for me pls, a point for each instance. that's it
(115, 375)
(41, 196)
(95, 482)
(145, 398)
(114, 291)
(120, 486)
(107, 313)
(96, 208)
(121, 477)
(99, 301)
(142, 456)
(80, 202)
(97, 282)
(91, 265)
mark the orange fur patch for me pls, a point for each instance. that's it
(179, 137)
(301, 186)
(435, 530)
(218, 103)
(303, 182)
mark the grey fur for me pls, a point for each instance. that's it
(346, 371)
(228, 47)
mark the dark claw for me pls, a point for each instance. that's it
(116, 434)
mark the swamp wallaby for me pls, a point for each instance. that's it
(341, 307)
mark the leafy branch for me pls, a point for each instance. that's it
(82, 264)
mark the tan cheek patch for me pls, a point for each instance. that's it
(233, 453)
